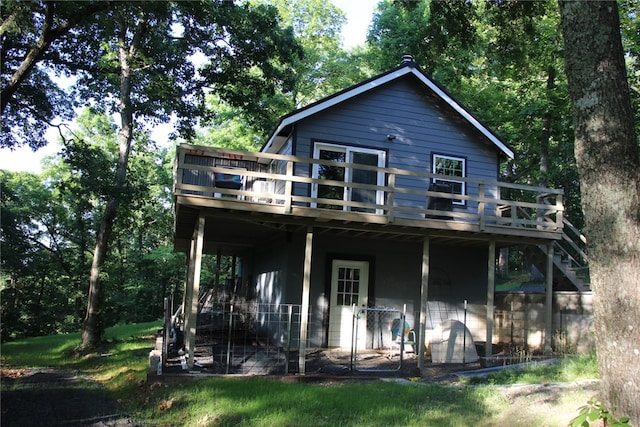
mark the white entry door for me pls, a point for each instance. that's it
(349, 287)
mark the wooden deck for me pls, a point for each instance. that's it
(251, 195)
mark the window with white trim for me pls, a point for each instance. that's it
(345, 192)
(454, 167)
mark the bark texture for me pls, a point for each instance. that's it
(606, 153)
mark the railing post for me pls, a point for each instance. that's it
(540, 213)
(559, 212)
(481, 217)
(288, 188)
(390, 197)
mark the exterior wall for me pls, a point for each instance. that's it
(395, 277)
(456, 274)
(572, 326)
(267, 282)
(422, 126)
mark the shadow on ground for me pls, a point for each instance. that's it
(46, 397)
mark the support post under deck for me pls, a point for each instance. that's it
(424, 287)
(491, 288)
(304, 310)
(192, 289)
(548, 309)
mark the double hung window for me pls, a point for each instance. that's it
(452, 167)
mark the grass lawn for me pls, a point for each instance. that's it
(258, 401)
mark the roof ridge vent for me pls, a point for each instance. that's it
(406, 58)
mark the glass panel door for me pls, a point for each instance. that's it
(360, 176)
(349, 288)
(342, 154)
(333, 173)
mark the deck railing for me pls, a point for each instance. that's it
(284, 184)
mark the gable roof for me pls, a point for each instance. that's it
(408, 67)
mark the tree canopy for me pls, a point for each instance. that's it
(135, 59)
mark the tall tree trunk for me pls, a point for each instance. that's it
(546, 130)
(93, 326)
(607, 157)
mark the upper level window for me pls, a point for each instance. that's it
(345, 176)
(453, 167)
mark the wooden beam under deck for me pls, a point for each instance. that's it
(229, 228)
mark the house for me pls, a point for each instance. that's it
(385, 194)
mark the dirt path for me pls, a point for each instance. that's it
(47, 397)
(551, 405)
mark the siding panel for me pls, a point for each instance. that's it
(421, 123)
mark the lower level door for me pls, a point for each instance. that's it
(349, 287)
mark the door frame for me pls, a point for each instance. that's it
(371, 260)
(348, 150)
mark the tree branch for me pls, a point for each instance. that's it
(48, 34)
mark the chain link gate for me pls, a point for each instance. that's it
(381, 347)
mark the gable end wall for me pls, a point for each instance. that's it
(422, 126)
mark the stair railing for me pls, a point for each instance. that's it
(572, 247)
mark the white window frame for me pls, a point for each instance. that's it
(463, 161)
(348, 150)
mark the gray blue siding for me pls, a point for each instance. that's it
(422, 126)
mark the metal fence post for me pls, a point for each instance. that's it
(289, 320)
(229, 337)
(464, 334)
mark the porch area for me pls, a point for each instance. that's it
(230, 203)
(257, 339)
(280, 189)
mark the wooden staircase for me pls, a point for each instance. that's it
(570, 261)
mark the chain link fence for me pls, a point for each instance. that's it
(384, 343)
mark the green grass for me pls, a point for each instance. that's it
(60, 350)
(514, 281)
(579, 367)
(121, 366)
(270, 402)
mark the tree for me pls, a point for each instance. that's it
(49, 220)
(30, 33)
(440, 35)
(323, 68)
(42, 256)
(326, 67)
(146, 66)
(132, 59)
(606, 151)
